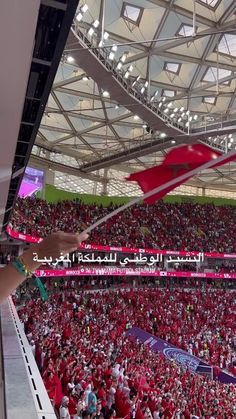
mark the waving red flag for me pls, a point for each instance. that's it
(179, 161)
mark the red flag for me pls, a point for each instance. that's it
(179, 161)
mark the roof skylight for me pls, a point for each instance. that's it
(131, 13)
(168, 93)
(210, 100)
(210, 3)
(185, 30)
(227, 45)
(172, 67)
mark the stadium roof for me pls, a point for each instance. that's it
(170, 79)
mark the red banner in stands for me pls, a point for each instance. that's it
(30, 239)
(114, 271)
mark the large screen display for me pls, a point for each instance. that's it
(32, 182)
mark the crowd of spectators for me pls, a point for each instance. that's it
(165, 226)
(83, 353)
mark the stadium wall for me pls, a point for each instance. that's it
(52, 194)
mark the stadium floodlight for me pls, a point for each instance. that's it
(96, 23)
(119, 65)
(84, 8)
(70, 59)
(136, 80)
(123, 58)
(79, 17)
(111, 56)
(105, 93)
(90, 31)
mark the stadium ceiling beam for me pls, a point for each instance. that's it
(68, 81)
(84, 94)
(206, 86)
(211, 45)
(183, 12)
(76, 134)
(89, 118)
(107, 121)
(195, 60)
(110, 122)
(48, 164)
(181, 41)
(115, 37)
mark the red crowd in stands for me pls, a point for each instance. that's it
(81, 349)
(165, 226)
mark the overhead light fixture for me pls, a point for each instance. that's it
(166, 110)
(119, 65)
(170, 104)
(142, 90)
(105, 35)
(160, 105)
(176, 109)
(114, 48)
(230, 135)
(144, 126)
(79, 17)
(136, 80)
(187, 124)
(183, 115)
(190, 118)
(70, 59)
(180, 119)
(84, 8)
(130, 68)
(173, 141)
(123, 58)
(85, 78)
(127, 73)
(111, 56)
(105, 93)
(162, 135)
(163, 99)
(90, 31)
(229, 145)
(146, 84)
(188, 112)
(195, 117)
(182, 109)
(96, 23)
(136, 117)
(172, 115)
(117, 106)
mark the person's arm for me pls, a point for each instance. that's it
(53, 246)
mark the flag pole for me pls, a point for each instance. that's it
(160, 188)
